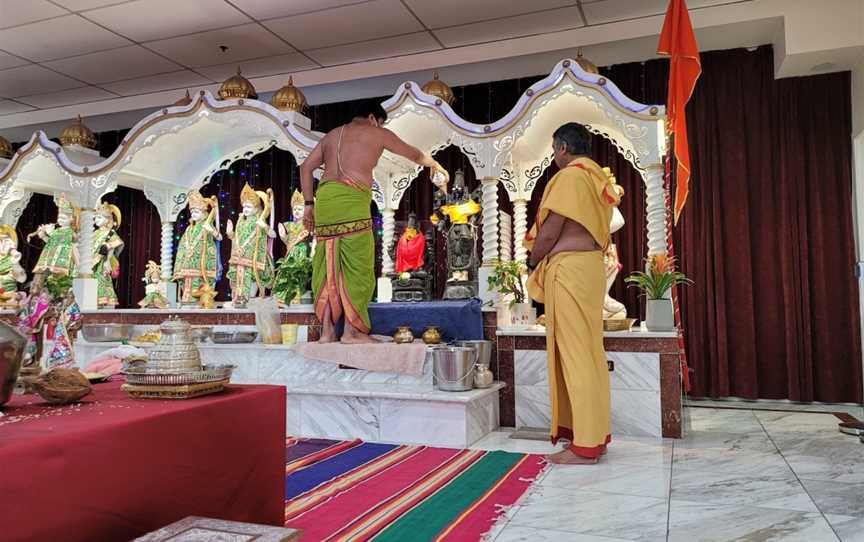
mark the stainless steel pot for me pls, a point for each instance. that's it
(453, 367)
(104, 333)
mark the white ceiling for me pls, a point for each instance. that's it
(56, 53)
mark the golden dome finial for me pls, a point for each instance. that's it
(236, 87)
(289, 98)
(78, 133)
(185, 100)
(584, 63)
(5, 148)
(438, 88)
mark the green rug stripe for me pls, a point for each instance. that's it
(435, 513)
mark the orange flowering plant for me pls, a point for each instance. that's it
(659, 277)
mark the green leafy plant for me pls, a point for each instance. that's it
(506, 279)
(659, 277)
(293, 277)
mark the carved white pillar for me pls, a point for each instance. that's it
(85, 243)
(166, 252)
(490, 219)
(505, 236)
(655, 209)
(389, 227)
(520, 228)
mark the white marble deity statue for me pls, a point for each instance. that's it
(59, 256)
(197, 265)
(11, 272)
(612, 308)
(107, 246)
(251, 265)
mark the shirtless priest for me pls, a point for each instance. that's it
(343, 266)
(566, 243)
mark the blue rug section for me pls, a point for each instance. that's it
(459, 320)
(303, 480)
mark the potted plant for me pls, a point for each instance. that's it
(655, 282)
(293, 277)
(506, 279)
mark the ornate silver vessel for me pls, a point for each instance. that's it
(176, 351)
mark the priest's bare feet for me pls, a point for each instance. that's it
(566, 457)
(358, 338)
(327, 337)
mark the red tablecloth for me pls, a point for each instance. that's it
(112, 468)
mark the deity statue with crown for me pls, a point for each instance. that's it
(197, 264)
(292, 232)
(456, 215)
(251, 265)
(107, 246)
(410, 282)
(293, 272)
(612, 308)
(11, 272)
(59, 256)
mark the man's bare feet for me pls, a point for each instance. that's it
(566, 457)
(327, 337)
(328, 330)
(352, 335)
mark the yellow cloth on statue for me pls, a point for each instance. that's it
(573, 286)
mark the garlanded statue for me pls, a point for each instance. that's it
(198, 266)
(251, 265)
(154, 298)
(410, 282)
(107, 246)
(612, 308)
(11, 272)
(292, 232)
(59, 255)
(293, 271)
(459, 210)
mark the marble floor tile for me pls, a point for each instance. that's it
(611, 477)
(749, 462)
(756, 441)
(832, 467)
(848, 528)
(836, 497)
(782, 492)
(648, 452)
(594, 513)
(500, 440)
(723, 420)
(705, 522)
(516, 533)
(759, 406)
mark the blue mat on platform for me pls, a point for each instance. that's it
(458, 320)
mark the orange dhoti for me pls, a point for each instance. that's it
(574, 287)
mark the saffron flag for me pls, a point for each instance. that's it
(678, 42)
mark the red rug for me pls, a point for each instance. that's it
(358, 491)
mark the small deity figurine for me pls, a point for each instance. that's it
(11, 272)
(198, 265)
(459, 210)
(251, 265)
(154, 298)
(67, 321)
(59, 255)
(612, 308)
(410, 248)
(292, 232)
(107, 246)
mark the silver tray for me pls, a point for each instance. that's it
(209, 373)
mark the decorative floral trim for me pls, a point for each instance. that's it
(343, 229)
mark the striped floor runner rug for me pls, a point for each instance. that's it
(359, 491)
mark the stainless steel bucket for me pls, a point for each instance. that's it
(453, 367)
(484, 350)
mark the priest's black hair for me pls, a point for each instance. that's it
(576, 138)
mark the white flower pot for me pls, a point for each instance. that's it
(523, 314)
(659, 315)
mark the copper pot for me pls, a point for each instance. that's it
(432, 335)
(403, 335)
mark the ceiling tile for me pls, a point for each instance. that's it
(618, 10)
(375, 49)
(58, 38)
(375, 19)
(146, 20)
(180, 80)
(67, 97)
(33, 79)
(80, 5)
(263, 67)
(511, 27)
(9, 61)
(15, 12)
(114, 65)
(8, 107)
(243, 42)
(442, 13)
(268, 9)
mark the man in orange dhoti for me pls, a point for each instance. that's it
(570, 232)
